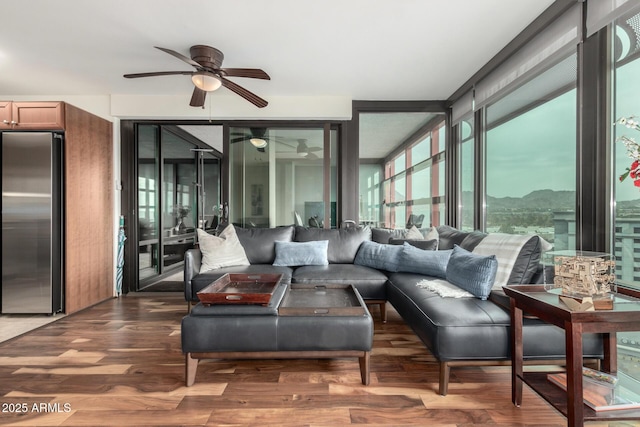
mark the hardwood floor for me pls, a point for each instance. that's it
(120, 364)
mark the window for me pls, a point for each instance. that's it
(415, 182)
(467, 171)
(531, 158)
(626, 31)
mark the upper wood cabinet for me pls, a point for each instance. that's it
(5, 114)
(31, 115)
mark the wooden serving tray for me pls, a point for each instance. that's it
(322, 300)
(235, 288)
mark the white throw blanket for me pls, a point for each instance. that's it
(443, 288)
(506, 248)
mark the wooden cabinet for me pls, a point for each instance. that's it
(89, 194)
(31, 115)
(5, 115)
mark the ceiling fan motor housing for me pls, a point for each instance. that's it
(207, 56)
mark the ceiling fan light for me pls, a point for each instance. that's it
(206, 81)
(258, 142)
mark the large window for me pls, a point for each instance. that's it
(627, 197)
(415, 182)
(531, 158)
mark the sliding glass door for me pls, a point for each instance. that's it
(178, 190)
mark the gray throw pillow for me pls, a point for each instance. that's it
(472, 272)
(378, 255)
(428, 262)
(291, 254)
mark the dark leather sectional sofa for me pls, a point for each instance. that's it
(457, 331)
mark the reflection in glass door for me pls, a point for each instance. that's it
(282, 176)
(168, 212)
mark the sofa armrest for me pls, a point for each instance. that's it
(192, 263)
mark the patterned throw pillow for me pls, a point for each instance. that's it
(220, 251)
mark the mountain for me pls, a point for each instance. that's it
(538, 200)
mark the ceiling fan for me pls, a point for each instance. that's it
(258, 137)
(208, 75)
(303, 150)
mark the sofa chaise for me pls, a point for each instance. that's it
(457, 326)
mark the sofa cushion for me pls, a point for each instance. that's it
(427, 245)
(301, 253)
(343, 242)
(472, 239)
(449, 236)
(382, 235)
(518, 256)
(472, 272)
(528, 262)
(428, 262)
(378, 255)
(259, 243)
(224, 250)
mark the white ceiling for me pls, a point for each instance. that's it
(358, 49)
(365, 49)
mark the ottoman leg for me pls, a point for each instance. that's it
(191, 366)
(364, 368)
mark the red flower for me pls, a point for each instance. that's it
(634, 169)
(636, 182)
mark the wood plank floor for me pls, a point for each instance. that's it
(120, 364)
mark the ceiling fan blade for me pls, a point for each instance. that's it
(249, 96)
(157, 73)
(197, 99)
(239, 139)
(253, 73)
(314, 149)
(180, 57)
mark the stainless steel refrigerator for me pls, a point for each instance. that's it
(32, 221)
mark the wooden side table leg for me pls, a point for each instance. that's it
(575, 404)
(517, 354)
(191, 366)
(364, 367)
(610, 352)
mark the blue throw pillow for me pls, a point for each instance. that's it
(427, 262)
(378, 255)
(291, 254)
(472, 272)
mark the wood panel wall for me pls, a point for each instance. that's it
(89, 198)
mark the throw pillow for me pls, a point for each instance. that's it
(426, 245)
(432, 234)
(378, 255)
(291, 254)
(413, 234)
(471, 272)
(428, 262)
(220, 251)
